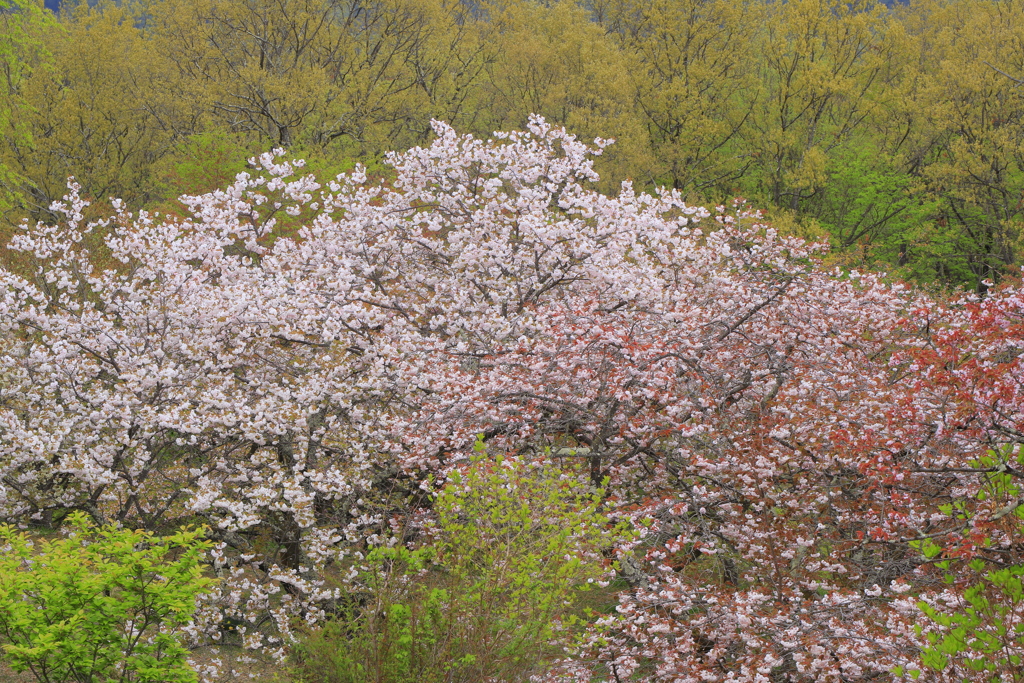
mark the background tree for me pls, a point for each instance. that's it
(693, 86)
(356, 77)
(551, 61)
(93, 115)
(23, 29)
(972, 166)
(821, 67)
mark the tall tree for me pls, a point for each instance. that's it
(549, 60)
(95, 114)
(974, 113)
(315, 72)
(24, 26)
(820, 64)
(693, 85)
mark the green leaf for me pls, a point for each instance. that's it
(66, 604)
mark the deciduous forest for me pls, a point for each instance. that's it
(425, 340)
(894, 134)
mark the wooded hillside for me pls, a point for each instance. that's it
(896, 134)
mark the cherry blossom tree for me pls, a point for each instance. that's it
(298, 362)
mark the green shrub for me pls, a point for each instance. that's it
(987, 634)
(491, 599)
(103, 604)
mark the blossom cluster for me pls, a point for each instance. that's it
(297, 362)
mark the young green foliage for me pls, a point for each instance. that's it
(23, 56)
(987, 634)
(103, 604)
(491, 599)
